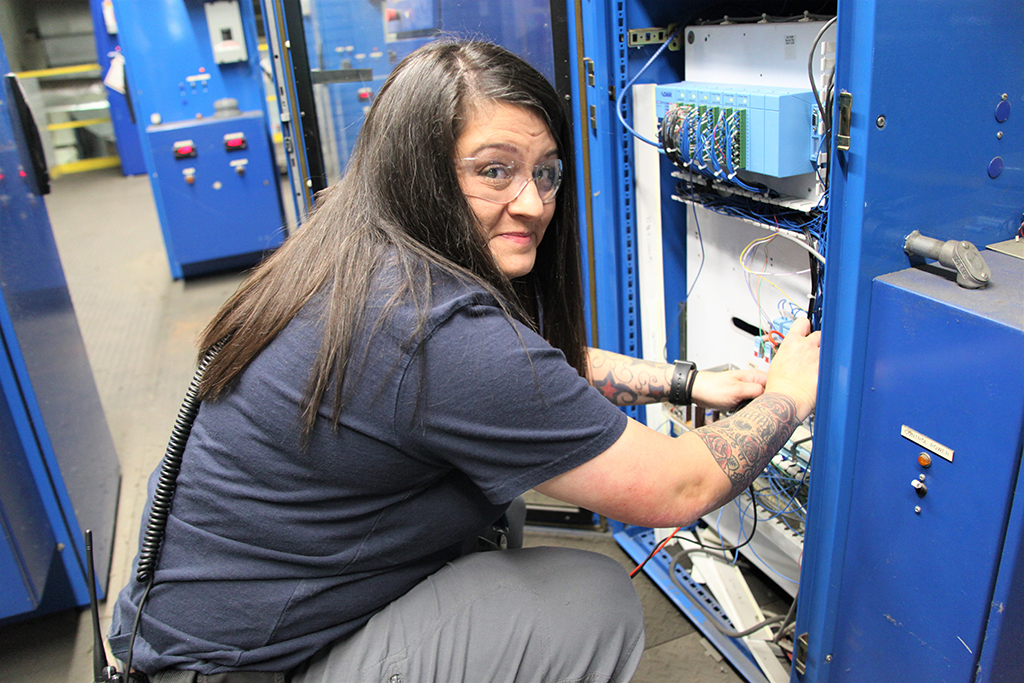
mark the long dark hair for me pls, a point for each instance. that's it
(400, 200)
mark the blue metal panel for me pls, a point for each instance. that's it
(353, 34)
(27, 542)
(610, 166)
(126, 132)
(1002, 655)
(919, 571)
(927, 168)
(223, 218)
(170, 64)
(56, 431)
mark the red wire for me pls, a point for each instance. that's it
(655, 552)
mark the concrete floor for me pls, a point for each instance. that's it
(140, 327)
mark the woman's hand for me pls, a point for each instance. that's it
(726, 390)
(794, 368)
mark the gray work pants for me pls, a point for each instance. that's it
(557, 615)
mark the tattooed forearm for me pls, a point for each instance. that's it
(744, 443)
(628, 381)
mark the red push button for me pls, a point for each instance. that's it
(235, 141)
(184, 149)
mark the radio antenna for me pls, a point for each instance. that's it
(101, 671)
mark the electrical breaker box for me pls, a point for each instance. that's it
(221, 209)
(774, 128)
(227, 38)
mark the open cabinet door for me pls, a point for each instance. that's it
(897, 583)
(59, 474)
(907, 571)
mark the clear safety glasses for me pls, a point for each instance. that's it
(502, 180)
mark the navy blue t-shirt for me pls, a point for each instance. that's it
(273, 551)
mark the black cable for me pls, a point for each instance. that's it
(135, 629)
(163, 496)
(732, 633)
(753, 530)
(160, 509)
(810, 64)
(788, 620)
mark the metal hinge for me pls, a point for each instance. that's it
(845, 107)
(800, 656)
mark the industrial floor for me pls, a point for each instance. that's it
(140, 327)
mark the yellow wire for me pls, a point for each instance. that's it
(762, 315)
(762, 276)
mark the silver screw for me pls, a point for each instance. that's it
(880, 122)
(921, 477)
(828, 658)
(999, 135)
(60, 547)
(917, 509)
(1005, 96)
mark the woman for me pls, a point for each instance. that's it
(406, 365)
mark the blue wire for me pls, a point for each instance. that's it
(714, 149)
(622, 93)
(698, 151)
(732, 177)
(700, 240)
(736, 555)
(772, 569)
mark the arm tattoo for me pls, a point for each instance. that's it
(629, 381)
(744, 443)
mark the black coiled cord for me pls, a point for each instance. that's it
(160, 509)
(163, 496)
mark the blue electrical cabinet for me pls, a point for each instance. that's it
(108, 49)
(936, 474)
(220, 197)
(898, 176)
(219, 203)
(934, 144)
(362, 41)
(59, 474)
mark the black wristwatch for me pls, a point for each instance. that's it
(680, 389)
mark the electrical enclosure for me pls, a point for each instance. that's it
(194, 75)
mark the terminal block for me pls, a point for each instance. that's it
(720, 128)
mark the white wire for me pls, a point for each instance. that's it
(793, 238)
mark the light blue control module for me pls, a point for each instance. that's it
(717, 129)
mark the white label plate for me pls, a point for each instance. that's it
(925, 442)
